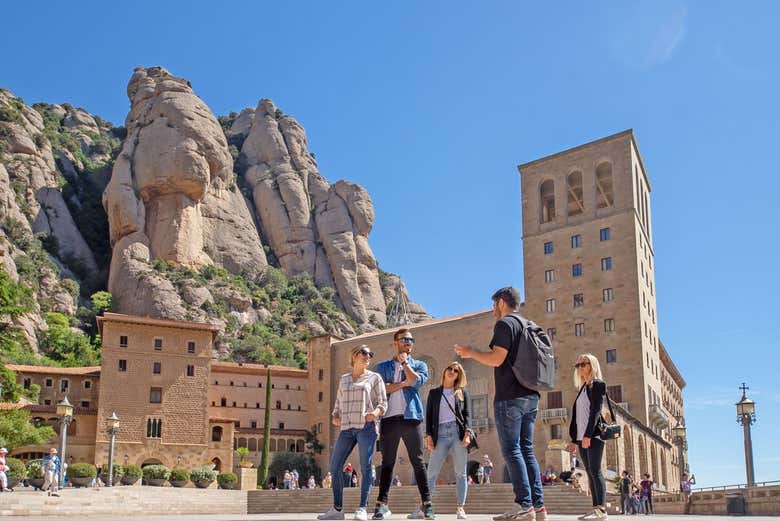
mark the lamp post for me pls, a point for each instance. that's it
(113, 427)
(65, 412)
(746, 415)
(679, 434)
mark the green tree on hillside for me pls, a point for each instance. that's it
(16, 430)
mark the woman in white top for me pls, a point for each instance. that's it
(448, 430)
(360, 401)
(584, 429)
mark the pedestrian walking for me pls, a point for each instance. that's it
(403, 377)
(51, 473)
(625, 491)
(585, 429)
(515, 408)
(646, 495)
(448, 431)
(360, 401)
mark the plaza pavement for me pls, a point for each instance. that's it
(394, 517)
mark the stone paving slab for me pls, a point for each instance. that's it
(394, 517)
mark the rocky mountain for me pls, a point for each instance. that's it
(181, 215)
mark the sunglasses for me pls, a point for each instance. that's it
(453, 369)
(581, 364)
(365, 352)
(407, 340)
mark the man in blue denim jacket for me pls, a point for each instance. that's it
(403, 377)
(514, 409)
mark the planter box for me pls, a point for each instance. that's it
(129, 481)
(156, 482)
(36, 483)
(12, 482)
(81, 482)
(203, 484)
(247, 479)
(178, 484)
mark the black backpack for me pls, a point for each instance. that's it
(534, 364)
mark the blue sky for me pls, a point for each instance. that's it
(430, 105)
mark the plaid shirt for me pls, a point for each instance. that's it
(356, 398)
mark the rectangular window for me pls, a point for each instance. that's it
(87, 384)
(609, 325)
(579, 329)
(606, 264)
(190, 347)
(157, 368)
(607, 295)
(257, 405)
(158, 344)
(319, 396)
(254, 425)
(85, 404)
(320, 375)
(548, 248)
(576, 270)
(49, 382)
(579, 300)
(576, 241)
(155, 395)
(551, 332)
(123, 341)
(604, 234)
(550, 305)
(190, 370)
(47, 402)
(281, 425)
(549, 276)
(122, 366)
(555, 400)
(555, 431)
(615, 393)
(27, 383)
(611, 356)
(153, 428)
(64, 386)
(479, 408)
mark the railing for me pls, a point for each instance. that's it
(624, 405)
(480, 423)
(741, 485)
(550, 414)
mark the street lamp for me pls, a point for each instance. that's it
(679, 439)
(746, 415)
(113, 427)
(65, 412)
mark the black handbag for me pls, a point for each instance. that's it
(473, 445)
(611, 430)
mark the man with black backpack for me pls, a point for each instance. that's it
(523, 362)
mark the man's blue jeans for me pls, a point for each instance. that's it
(515, 420)
(365, 439)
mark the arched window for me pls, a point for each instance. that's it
(642, 455)
(242, 442)
(216, 433)
(612, 460)
(223, 402)
(664, 470)
(252, 446)
(278, 404)
(628, 448)
(299, 446)
(272, 445)
(604, 189)
(653, 461)
(576, 204)
(547, 201)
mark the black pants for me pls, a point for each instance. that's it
(391, 432)
(591, 459)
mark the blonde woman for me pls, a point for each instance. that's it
(584, 429)
(448, 430)
(360, 400)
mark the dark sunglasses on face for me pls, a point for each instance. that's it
(407, 340)
(581, 364)
(366, 352)
(453, 369)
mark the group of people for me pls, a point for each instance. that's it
(636, 497)
(51, 469)
(392, 393)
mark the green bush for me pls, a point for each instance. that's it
(118, 472)
(17, 468)
(34, 469)
(180, 475)
(156, 472)
(203, 474)
(227, 480)
(82, 470)
(132, 471)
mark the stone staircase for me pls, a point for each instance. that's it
(123, 501)
(489, 499)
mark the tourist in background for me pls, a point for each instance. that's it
(487, 469)
(328, 481)
(347, 475)
(312, 483)
(360, 401)
(515, 408)
(448, 431)
(3, 471)
(584, 429)
(685, 491)
(625, 491)
(287, 481)
(646, 494)
(51, 472)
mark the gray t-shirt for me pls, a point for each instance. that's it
(583, 413)
(396, 402)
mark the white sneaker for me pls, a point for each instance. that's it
(460, 513)
(417, 514)
(593, 515)
(517, 512)
(361, 514)
(332, 514)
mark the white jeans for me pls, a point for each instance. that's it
(51, 481)
(3, 480)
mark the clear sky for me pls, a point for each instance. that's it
(431, 105)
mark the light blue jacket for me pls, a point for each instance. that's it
(414, 406)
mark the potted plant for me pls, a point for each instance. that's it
(118, 472)
(179, 477)
(131, 474)
(227, 480)
(81, 474)
(156, 475)
(16, 472)
(35, 473)
(202, 477)
(243, 452)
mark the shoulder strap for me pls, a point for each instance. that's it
(609, 405)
